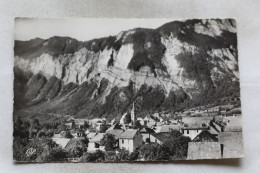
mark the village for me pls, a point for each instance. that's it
(214, 132)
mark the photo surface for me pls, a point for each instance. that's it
(126, 90)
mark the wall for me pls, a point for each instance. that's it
(137, 141)
(192, 133)
(127, 144)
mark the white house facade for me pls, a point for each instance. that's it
(130, 140)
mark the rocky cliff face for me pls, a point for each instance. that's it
(176, 64)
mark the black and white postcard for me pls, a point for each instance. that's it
(126, 90)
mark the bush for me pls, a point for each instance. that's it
(75, 152)
(109, 142)
(97, 156)
(56, 154)
(177, 145)
(154, 152)
(111, 156)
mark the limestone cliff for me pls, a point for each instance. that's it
(160, 69)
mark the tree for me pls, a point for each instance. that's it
(76, 147)
(123, 155)
(56, 154)
(49, 133)
(154, 152)
(111, 156)
(137, 124)
(75, 152)
(127, 119)
(86, 125)
(97, 156)
(178, 146)
(35, 124)
(108, 141)
(175, 134)
(134, 155)
(35, 127)
(18, 124)
(41, 134)
(60, 128)
(68, 135)
(87, 157)
(73, 124)
(103, 129)
(32, 133)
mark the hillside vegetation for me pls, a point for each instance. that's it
(204, 51)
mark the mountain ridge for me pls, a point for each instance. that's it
(160, 69)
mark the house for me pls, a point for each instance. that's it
(61, 141)
(146, 132)
(192, 126)
(63, 134)
(102, 127)
(229, 123)
(78, 134)
(151, 124)
(159, 138)
(76, 142)
(94, 143)
(116, 133)
(196, 119)
(174, 121)
(130, 140)
(202, 150)
(213, 109)
(90, 135)
(97, 121)
(234, 124)
(141, 121)
(169, 128)
(115, 126)
(146, 119)
(215, 128)
(205, 136)
(231, 144)
(192, 130)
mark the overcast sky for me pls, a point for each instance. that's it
(82, 29)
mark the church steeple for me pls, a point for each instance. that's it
(133, 116)
(133, 113)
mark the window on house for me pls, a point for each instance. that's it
(188, 132)
(122, 141)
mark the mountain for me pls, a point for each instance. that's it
(180, 64)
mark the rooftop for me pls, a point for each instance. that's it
(168, 128)
(197, 120)
(91, 135)
(233, 144)
(235, 124)
(201, 126)
(147, 130)
(161, 136)
(205, 136)
(115, 132)
(204, 150)
(61, 141)
(129, 134)
(97, 138)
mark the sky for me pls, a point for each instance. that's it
(82, 29)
